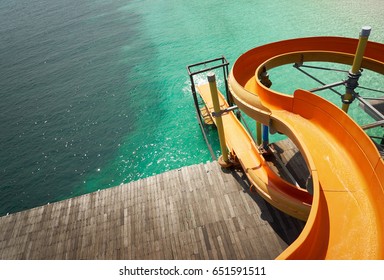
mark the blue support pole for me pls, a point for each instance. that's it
(265, 136)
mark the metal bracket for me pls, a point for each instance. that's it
(350, 84)
(346, 101)
(352, 81)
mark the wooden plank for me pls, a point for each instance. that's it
(195, 212)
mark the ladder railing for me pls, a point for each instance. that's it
(202, 67)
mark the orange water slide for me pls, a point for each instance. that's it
(346, 220)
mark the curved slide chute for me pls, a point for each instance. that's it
(346, 220)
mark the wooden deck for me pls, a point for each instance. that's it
(196, 212)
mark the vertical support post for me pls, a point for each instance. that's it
(258, 133)
(265, 137)
(354, 73)
(264, 79)
(225, 74)
(219, 122)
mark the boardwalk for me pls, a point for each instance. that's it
(196, 212)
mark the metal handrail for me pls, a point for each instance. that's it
(224, 64)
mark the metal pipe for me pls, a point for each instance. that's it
(314, 78)
(227, 91)
(372, 125)
(322, 68)
(258, 133)
(354, 74)
(376, 114)
(374, 98)
(213, 156)
(206, 69)
(265, 136)
(329, 86)
(193, 89)
(224, 62)
(205, 62)
(371, 89)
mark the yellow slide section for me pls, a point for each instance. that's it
(346, 220)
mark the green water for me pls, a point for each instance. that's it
(96, 93)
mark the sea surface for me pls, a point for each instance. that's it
(96, 93)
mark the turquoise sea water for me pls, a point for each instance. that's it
(96, 93)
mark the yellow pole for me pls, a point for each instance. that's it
(354, 73)
(262, 134)
(258, 133)
(219, 122)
